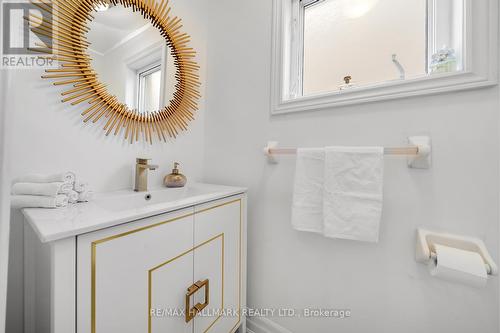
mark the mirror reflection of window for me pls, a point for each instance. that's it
(149, 87)
(349, 43)
(131, 57)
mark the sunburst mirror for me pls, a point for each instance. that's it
(127, 61)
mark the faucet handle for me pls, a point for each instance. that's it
(142, 160)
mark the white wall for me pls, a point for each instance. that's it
(4, 197)
(387, 291)
(48, 136)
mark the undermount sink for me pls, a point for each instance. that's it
(125, 200)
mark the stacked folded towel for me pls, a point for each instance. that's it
(65, 177)
(48, 191)
(82, 191)
(38, 201)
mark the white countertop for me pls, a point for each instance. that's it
(114, 208)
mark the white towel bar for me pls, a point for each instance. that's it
(419, 152)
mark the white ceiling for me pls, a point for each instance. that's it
(114, 26)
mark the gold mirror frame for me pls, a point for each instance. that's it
(68, 31)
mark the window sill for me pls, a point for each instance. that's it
(428, 85)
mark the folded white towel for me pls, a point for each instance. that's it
(64, 177)
(47, 189)
(307, 206)
(80, 186)
(37, 201)
(72, 197)
(85, 196)
(353, 192)
(66, 188)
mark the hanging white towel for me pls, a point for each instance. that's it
(353, 192)
(307, 206)
(38, 201)
(47, 189)
(64, 177)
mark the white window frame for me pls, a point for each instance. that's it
(148, 70)
(479, 61)
(156, 53)
(434, 26)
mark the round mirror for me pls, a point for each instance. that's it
(127, 62)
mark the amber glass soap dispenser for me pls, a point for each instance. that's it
(175, 179)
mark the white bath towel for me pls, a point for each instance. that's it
(80, 186)
(37, 201)
(307, 206)
(353, 192)
(85, 196)
(46, 189)
(72, 197)
(64, 177)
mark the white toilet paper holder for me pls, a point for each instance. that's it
(426, 240)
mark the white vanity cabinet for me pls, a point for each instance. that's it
(181, 271)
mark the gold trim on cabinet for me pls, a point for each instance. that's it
(93, 289)
(103, 240)
(239, 273)
(180, 256)
(107, 239)
(217, 206)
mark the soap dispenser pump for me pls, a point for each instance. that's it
(175, 179)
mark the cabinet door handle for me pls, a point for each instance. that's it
(192, 312)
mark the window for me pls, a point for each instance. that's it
(149, 88)
(352, 43)
(357, 38)
(337, 52)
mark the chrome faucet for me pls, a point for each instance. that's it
(141, 174)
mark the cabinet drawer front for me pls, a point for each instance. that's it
(118, 285)
(221, 219)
